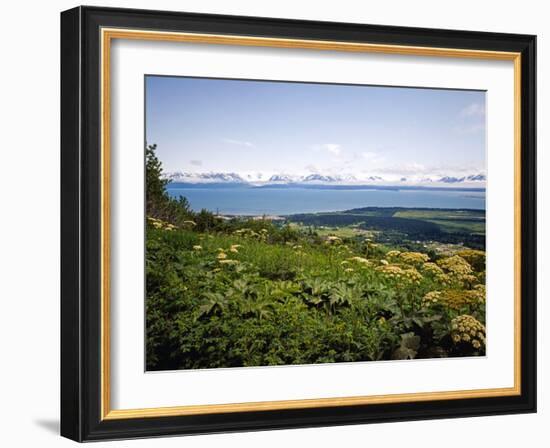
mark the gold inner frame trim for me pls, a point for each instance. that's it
(107, 35)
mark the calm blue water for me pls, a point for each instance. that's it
(285, 201)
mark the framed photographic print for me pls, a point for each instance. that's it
(272, 223)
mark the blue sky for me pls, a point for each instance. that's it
(203, 125)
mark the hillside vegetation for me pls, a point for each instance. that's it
(399, 225)
(245, 292)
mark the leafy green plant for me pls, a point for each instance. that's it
(247, 292)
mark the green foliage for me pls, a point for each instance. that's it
(247, 292)
(270, 303)
(402, 226)
(153, 178)
(160, 205)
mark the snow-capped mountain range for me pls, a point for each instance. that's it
(259, 179)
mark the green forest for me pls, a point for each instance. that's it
(361, 285)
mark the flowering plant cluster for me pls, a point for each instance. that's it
(237, 291)
(433, 270)
(160, 224)
(393, 255)
(467, 329)
(403, 277)
(261, 235)
(455, 299)
(331, 239)
(458, 269)
(476, 258)
(360, 260)
(413, 258)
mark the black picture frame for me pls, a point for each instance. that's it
(81, 224)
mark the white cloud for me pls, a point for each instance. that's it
(403, 169)
(472, 119)
(332, 148)
(473, 110)
(469, 128)
(238, 142)
(417, 172)
(372, 160)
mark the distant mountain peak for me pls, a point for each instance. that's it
(209, 177)
(470, 178)
(259, 178)
(286, 178)
(316, 177)
(477, 178)
(451, 179)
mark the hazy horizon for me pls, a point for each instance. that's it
(260, 128)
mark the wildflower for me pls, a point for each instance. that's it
(384, 262)
(478, 292)
(468, 329)
(458, 268)
(360, 260)
(393, 254)
(229, 262)
(454, 299)
(333, 239)
(190, 223)
(413, 258)
(391, 271)
(348, 270)
(222, 256)
(412, 275)
(444, 279)
(235, 248)
(476, 258)
(431, 298)
(404, 277)
(458, 299)
(433, 270)
(197, 247)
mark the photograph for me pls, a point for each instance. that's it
(298, 223)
